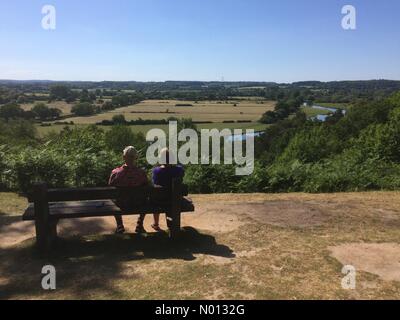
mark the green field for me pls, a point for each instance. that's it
(311, 112)
(145, 128)
(333, 105)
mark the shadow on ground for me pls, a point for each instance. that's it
(6, 220)
(92, 263)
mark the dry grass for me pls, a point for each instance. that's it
(215, 111)
(237, 252)
(11, 203)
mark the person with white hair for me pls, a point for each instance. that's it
(128, 175)
(163, 176)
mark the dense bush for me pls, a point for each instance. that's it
(311, 145)
(74, 158)
(14, 111)
(211, 178)
(43, 112)
(84, 109)
(17, 132)
(118, 137)
(3, 168)
(283, 109)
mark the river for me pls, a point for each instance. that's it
(319, 117)
(322, 117)
(242, 137)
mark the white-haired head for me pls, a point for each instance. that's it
(130, 153)
(166, 157)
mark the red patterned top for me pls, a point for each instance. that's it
(126, 176)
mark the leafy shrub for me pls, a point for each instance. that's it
(120, 136)
(311, 145)
(288, 177)
(3, 168)
(210, 178)
(119, 119)
(30, 165)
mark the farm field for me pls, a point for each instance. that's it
(215, 111)
(246, 246)
(250, 98)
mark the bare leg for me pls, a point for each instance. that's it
(139, 225)
(156, 219)
(119, 221)
(156, 225)
(120, 224)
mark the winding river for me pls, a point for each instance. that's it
(322, 117)
(319, 117)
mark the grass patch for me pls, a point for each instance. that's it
(12, 204)
(333, 105)
(311, 112)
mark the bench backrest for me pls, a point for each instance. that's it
(145, 194)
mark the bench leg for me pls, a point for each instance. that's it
(175, 211)
(52, 232)
(41, 235)
(174, 224)
(46, 235)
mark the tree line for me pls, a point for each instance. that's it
(74, 92)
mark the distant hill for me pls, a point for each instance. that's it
(174, 85)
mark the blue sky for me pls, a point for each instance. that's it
(157, 40)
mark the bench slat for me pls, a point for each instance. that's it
(71, 194)
(98, 208)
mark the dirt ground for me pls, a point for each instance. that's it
(382, 259)
(235, 246)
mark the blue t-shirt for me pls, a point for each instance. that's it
(162, 176)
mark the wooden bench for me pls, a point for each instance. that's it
(47, 206)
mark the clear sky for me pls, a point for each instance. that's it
(157, 40)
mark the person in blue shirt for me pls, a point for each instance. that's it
(163, 176)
